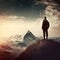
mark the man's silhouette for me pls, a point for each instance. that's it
(45, 27)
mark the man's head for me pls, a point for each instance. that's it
(45, 17)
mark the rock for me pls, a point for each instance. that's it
(41, 50)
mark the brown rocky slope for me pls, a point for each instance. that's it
(42, 50)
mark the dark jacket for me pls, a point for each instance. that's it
(45, 25)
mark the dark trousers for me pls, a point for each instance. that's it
(45, 34)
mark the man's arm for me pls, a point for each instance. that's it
(42, 25)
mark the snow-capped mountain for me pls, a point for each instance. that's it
(29, 38)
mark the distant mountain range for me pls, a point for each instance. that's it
(17, 47)
(15, 38)
(28, 39)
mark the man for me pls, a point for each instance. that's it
(45, 27)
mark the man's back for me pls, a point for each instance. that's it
(45, 25)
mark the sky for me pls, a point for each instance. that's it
(19, 16)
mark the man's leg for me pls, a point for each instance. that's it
(46, 34)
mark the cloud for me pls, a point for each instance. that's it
(53, 6)
(26, 8)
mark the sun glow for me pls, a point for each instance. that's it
(13, 25)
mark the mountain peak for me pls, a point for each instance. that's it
(29, 36)
(28, 31)
(42, 50)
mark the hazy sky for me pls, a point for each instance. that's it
(19, 16)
